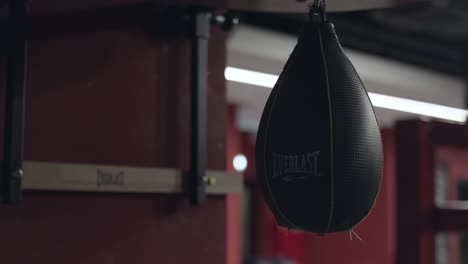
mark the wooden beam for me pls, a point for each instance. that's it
(119, 179)
(452, 218)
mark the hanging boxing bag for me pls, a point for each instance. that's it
(318, 150)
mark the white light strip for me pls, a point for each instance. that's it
(250, 77)
(378, 100)
(418, 107)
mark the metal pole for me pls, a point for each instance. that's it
(10, 180)
(201, 23)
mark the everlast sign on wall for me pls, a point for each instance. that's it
(318, 150)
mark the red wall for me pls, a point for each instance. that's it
(103, 88)
(111, 229)
(234, 143)
(233, 201)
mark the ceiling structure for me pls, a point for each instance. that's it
(416, 49)
(418, 52)
(432, 35)
(298, 6)
(266, 51)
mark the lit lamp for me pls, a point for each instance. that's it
(240, 163)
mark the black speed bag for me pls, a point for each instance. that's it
(318, 149)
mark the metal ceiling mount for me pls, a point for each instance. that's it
(318, 9)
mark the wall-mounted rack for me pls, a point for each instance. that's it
(48, 176)
(197, 182)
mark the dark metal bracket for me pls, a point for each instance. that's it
(11, 169)
(200, 33)
(200, 26)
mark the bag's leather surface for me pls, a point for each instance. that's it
(318, 150)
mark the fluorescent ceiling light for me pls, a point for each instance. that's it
(378, 100)
(250, 77)
(418, 107)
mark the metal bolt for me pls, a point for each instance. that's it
(17, 173)
(209, 180)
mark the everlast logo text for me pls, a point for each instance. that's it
(109, 178)
(295, 167)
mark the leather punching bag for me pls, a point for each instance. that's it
(319, 150)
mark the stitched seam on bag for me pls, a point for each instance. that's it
(332, 202)
(380, 136)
